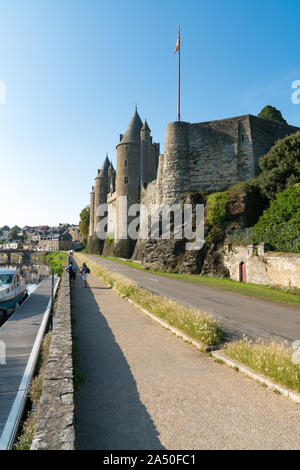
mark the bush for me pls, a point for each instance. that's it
(271, 113)
(216, 208)
(279, 225)
(280, 166)
(54, 262)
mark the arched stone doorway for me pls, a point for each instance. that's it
(243, 273)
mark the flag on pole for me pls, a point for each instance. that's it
(178, 42)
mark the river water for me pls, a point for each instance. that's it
(33, 273)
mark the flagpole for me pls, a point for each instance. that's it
(179, 75)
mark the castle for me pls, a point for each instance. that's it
(207, 156)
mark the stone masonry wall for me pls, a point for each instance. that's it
(220, 153)
(269, 268)
(55, 425)
(210, 156)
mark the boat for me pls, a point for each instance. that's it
(13, 290)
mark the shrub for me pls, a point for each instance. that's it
(271, 113)
(279, 225)
(216, 208)
(280, 166)
(54, 262)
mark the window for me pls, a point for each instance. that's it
(242, 137)
(126, 179)
(125, 163)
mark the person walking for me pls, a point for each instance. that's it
(84, 272)
(71, 269)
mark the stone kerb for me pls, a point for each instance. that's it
(55, 424)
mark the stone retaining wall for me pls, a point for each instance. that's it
(263, 267)
(55, 425)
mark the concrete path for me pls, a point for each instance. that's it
(238, 314)
(146, 389)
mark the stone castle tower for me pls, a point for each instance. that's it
(137, 161)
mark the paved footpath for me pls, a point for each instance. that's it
(146, 389)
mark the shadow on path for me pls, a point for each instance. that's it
(108, 411)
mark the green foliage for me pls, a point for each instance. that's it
(54, 262)
(216, 211)
(271, 113)
(84, 223)
(13, 234)
(280, 166)
(216, 208)
(279, 225)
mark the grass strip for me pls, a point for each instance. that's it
(273, 360)
(198, 325)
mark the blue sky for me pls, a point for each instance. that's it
(74, 70)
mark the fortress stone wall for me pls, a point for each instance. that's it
(211, 156)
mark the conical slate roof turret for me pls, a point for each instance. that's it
(104, 169)
(132, 133)
(145, 126)
(111, 167)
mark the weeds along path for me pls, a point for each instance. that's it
(145, 389)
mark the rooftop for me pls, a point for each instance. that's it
(132, 133)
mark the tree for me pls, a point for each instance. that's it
(279, 225)
(13, 234)
(84, 223)
(280, 166)
(271, 113)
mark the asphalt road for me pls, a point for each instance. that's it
(238, 314)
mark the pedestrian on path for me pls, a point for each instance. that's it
(84, 272)
(71, 269)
